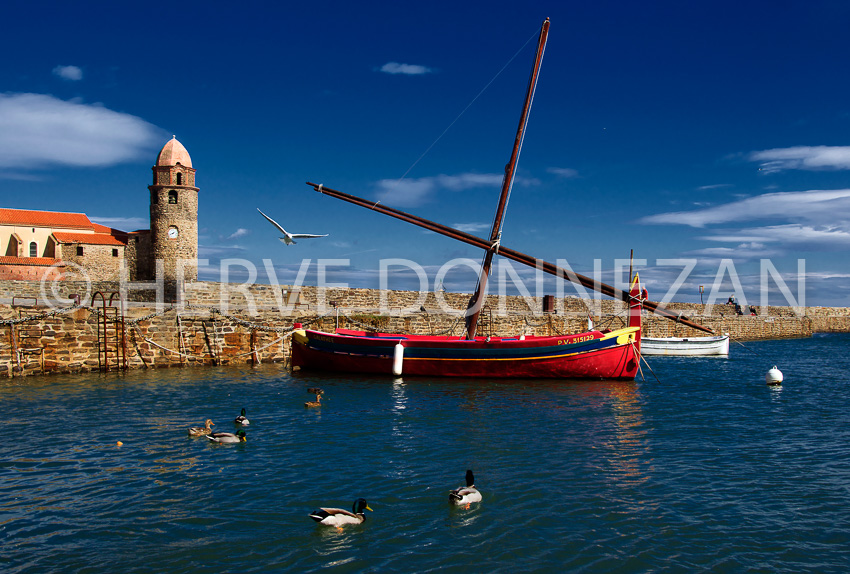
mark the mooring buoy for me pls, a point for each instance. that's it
(773, 376)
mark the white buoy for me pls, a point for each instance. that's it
(774, 376)
(398, 358)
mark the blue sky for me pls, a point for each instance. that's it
(698, 131)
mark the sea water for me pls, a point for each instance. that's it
(699, 467)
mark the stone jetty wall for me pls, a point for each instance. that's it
(43, 331)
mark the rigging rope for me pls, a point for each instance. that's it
(746, 347)
(645, 362)
(199, 357)
(469, 105)
(40, 316)
(287, 333)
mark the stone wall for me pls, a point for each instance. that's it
(213, 323)
(83, 339)
(101, 262)
(137, 255)
(291, 301)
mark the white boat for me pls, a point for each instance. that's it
(685, 346)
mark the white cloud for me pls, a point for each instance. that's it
(471, 227)
(405, 193)
(817, 220)
(70, 73)
(827, 275)
(42, 131)
(817, 206)
(564, 172)
(413, 192)
(241, 232)
(741, 252)
(801, 236)
(466, 181)
(18, 176)
(406, 69)
(216, 252)
(810, 158)
(122, 223)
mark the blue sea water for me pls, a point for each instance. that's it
(705, 468)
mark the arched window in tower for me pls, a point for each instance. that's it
(154, 197)
(172, 196)
(33, 249)
(179, 179)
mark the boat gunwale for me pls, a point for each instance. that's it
(368, 338)
(698, 340)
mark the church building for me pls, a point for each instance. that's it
(36, 245)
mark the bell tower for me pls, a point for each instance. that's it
(174, 214)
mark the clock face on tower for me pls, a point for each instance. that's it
(172, 233)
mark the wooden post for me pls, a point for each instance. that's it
(181, 343)
(256, 357)
(13, 348)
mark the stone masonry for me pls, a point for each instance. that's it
(217, 324)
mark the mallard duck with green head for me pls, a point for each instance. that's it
(242, 419)
(338, 517)
(465, 495)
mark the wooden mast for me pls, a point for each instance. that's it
(493, 245)
(473, 310)
(507, 253)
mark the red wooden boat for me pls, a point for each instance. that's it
(590, 355)
(593, 354)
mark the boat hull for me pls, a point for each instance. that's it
(591, 355)
(686, 346)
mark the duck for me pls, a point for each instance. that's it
(318, 401)
(241, 420)
(338, 517)
(201, 431)
(465, 495)
(228, 437)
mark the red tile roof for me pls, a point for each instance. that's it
(29, 217)
(87, 238)
(37, 261)
(98, 228)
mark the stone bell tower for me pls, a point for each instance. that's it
(174, 214)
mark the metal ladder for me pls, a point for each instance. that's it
(111, 342)
(25, 338)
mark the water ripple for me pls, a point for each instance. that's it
(706, 469)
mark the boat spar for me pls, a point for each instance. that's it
(592, 354)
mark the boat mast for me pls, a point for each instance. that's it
(473, 310)
(493, 245)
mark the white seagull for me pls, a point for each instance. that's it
(289, 238)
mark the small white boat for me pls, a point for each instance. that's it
(685, 346)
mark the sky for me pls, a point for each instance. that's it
(709, 139)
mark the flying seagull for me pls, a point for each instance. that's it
(289, 238)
